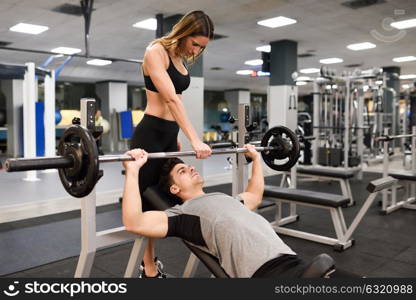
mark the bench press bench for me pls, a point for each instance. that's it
(319, 266)
(331, 202)
(343, 176)
(409, 179)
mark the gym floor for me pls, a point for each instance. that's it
(49, 246)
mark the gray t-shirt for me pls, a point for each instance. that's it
(221, 225)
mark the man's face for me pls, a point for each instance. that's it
(185, 178)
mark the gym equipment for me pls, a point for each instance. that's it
(2, 117)
(407, 178)
(78, 160)
(343, 176)
(331, 202)
(58, 116)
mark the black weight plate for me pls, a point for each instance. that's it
(82, 182)
(287, 148)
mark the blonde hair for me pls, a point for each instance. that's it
(195, 23)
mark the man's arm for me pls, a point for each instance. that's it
(151, 223)
(253, 194)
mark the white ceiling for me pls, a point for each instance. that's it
(323, 26)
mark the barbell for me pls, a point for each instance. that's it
(78, 160)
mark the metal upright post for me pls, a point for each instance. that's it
(347, 122)
(360, 130)
(29, 118)
(88, 207)
(49, 121)
(316, 97)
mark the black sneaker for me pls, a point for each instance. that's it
(159, 267)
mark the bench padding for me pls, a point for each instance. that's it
(380, 184)
(411, 176)
(338, 173)
(306, 196)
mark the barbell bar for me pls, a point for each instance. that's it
(78, 160)
(392, 137)
(60, 162)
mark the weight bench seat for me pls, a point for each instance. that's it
(306, 196)
(410, 176)
(339, 173)
(330, 202)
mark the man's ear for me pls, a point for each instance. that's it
(174, 189)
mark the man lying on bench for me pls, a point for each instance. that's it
(226, 227)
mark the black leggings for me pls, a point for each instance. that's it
(153, 134)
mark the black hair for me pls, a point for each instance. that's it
(166, 179)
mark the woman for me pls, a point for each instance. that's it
(165, 78)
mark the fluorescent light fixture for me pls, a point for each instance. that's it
(332, 60)
(244, 72)
(310, 70)
(277, 22)
(261, 73)
(254, 62)
(28, 28)
(301, 83)
(404, 58)
(408, 76)
(404, 24)
(406, 86)
(265, 48)
(303, 78)
(99, 62)
(361, 46)
(66, 50)
(379, 82)
(150, 24)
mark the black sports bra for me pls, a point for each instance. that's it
(180, 82)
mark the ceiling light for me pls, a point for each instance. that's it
(303, 78)
(310, 70)
(28, 28)
(379, 82)
(265, 48)
(404, 58)
(99, 62)
(406, 86)
(301, 83)
(262, 73)
(332, 60)
(244, 72)
(408, 76)
(150, 24)
(277, 22)
(254, 62)
(361, 46)
(404, 24)
(66, 50)
(365, 88)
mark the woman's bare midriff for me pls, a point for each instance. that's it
(156, 106)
